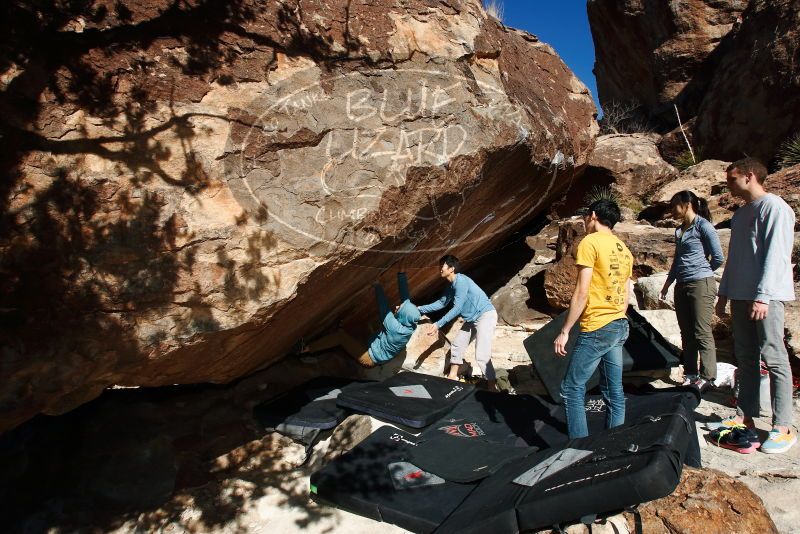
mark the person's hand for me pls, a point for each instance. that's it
(433, 330)
(664, 291)
(560, 344)
(396, 308)
(719, 309)
(758, 311)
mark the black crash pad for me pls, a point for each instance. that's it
(645, 402)
(487, 430)
(482, 433)
(645, 350)
(411, 399)
(626, 465)
(304, 411)
(377, 480)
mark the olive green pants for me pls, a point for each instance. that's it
(694, 305)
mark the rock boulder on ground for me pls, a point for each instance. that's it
(786, 184)
(706, 500)
(706, 180)
(634, 163)
(630, 165)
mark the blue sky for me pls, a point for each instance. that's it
(564, 25)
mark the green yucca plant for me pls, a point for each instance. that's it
(600, 192)
(789, 152)
(684, 160)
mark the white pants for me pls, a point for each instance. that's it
(482, 331)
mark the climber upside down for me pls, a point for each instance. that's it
(466, 299)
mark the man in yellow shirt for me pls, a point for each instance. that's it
(600, 301)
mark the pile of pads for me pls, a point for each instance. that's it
(461, 460)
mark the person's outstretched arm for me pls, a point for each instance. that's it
(576, 307)
(402, 286)
(439, 304)
(460, 288)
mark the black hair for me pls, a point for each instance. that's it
(699, 205)
(451, 261)
(607, 212)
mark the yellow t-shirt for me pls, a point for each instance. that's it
(612, 266)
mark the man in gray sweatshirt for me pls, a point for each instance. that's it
(758, 280)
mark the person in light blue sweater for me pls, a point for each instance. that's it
(757, 281)
(698, 254)
(480, 319)
(396, 330)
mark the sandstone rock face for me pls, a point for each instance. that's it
(513, 305)
(701, 178)
(756, 81)
(791, 325)
(648, 288)
(707, 180)
(630, 165)
(728, 65)
(193, 189)
(706, 501)
(648, 52)
(648, 292)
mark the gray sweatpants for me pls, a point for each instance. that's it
(755, 340)
(482, 331)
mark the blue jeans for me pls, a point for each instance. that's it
(601, 347)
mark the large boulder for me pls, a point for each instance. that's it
(706, 500)
(634, 165)
(191, 188)
(514, 302)
(708, 180)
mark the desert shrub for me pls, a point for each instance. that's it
(789, 152)
(623, 118)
